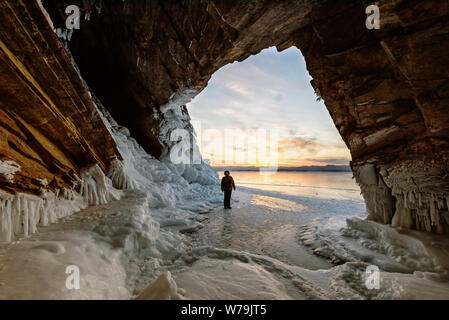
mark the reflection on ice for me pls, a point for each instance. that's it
(276, 203)
(325, 185)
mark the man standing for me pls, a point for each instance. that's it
(227, 184)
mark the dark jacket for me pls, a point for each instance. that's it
(227, 184)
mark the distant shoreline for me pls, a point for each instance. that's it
(328, 168)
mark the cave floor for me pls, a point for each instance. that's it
(263, 225)
(254, 251)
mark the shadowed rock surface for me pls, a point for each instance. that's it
(385, 89)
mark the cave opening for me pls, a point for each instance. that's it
(268, 93)
(262, 119)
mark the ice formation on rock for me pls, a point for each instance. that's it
(119, 176)
(96, 188)
(7, 170)
(408, 195)
(20, 214)
(141, 169)
(414, 249)
(177, 134)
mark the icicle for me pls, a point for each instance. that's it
(410, 196)
(97, 188)
(440, 202)
(25, 214)
(427, 223)
(17, 216)
(45, 212)
(5, 218)
(20, 214)
(433, 213)
(405, 200)
(120, 177)
(32, 219)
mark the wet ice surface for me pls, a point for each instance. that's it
(302, 238)
(271, 223)
(323, 185)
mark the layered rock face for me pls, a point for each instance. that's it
(385, 89)
(49, 125)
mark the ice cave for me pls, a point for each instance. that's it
(85, 122)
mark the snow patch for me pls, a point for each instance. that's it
(8, 169)
(163, 288)
(37, 269)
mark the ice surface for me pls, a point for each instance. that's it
(37, 269)
(210, 273)
(215, 279)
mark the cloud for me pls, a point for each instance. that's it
(278, 97)
(224, 111)
(334, 161)
(283, 126)
(297, 143)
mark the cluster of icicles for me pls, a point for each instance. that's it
(21, 214)
(426, 211)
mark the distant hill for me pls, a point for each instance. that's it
(327, 168)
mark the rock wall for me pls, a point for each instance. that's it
(385, 89)
(49, 125)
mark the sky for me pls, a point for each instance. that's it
(264, 112)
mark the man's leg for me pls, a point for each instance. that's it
(227, 199)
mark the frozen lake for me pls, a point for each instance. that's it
(332, 185)
(271, 212)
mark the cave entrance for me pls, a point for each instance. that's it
(269, 97)
(270, 93)
(262, 113)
